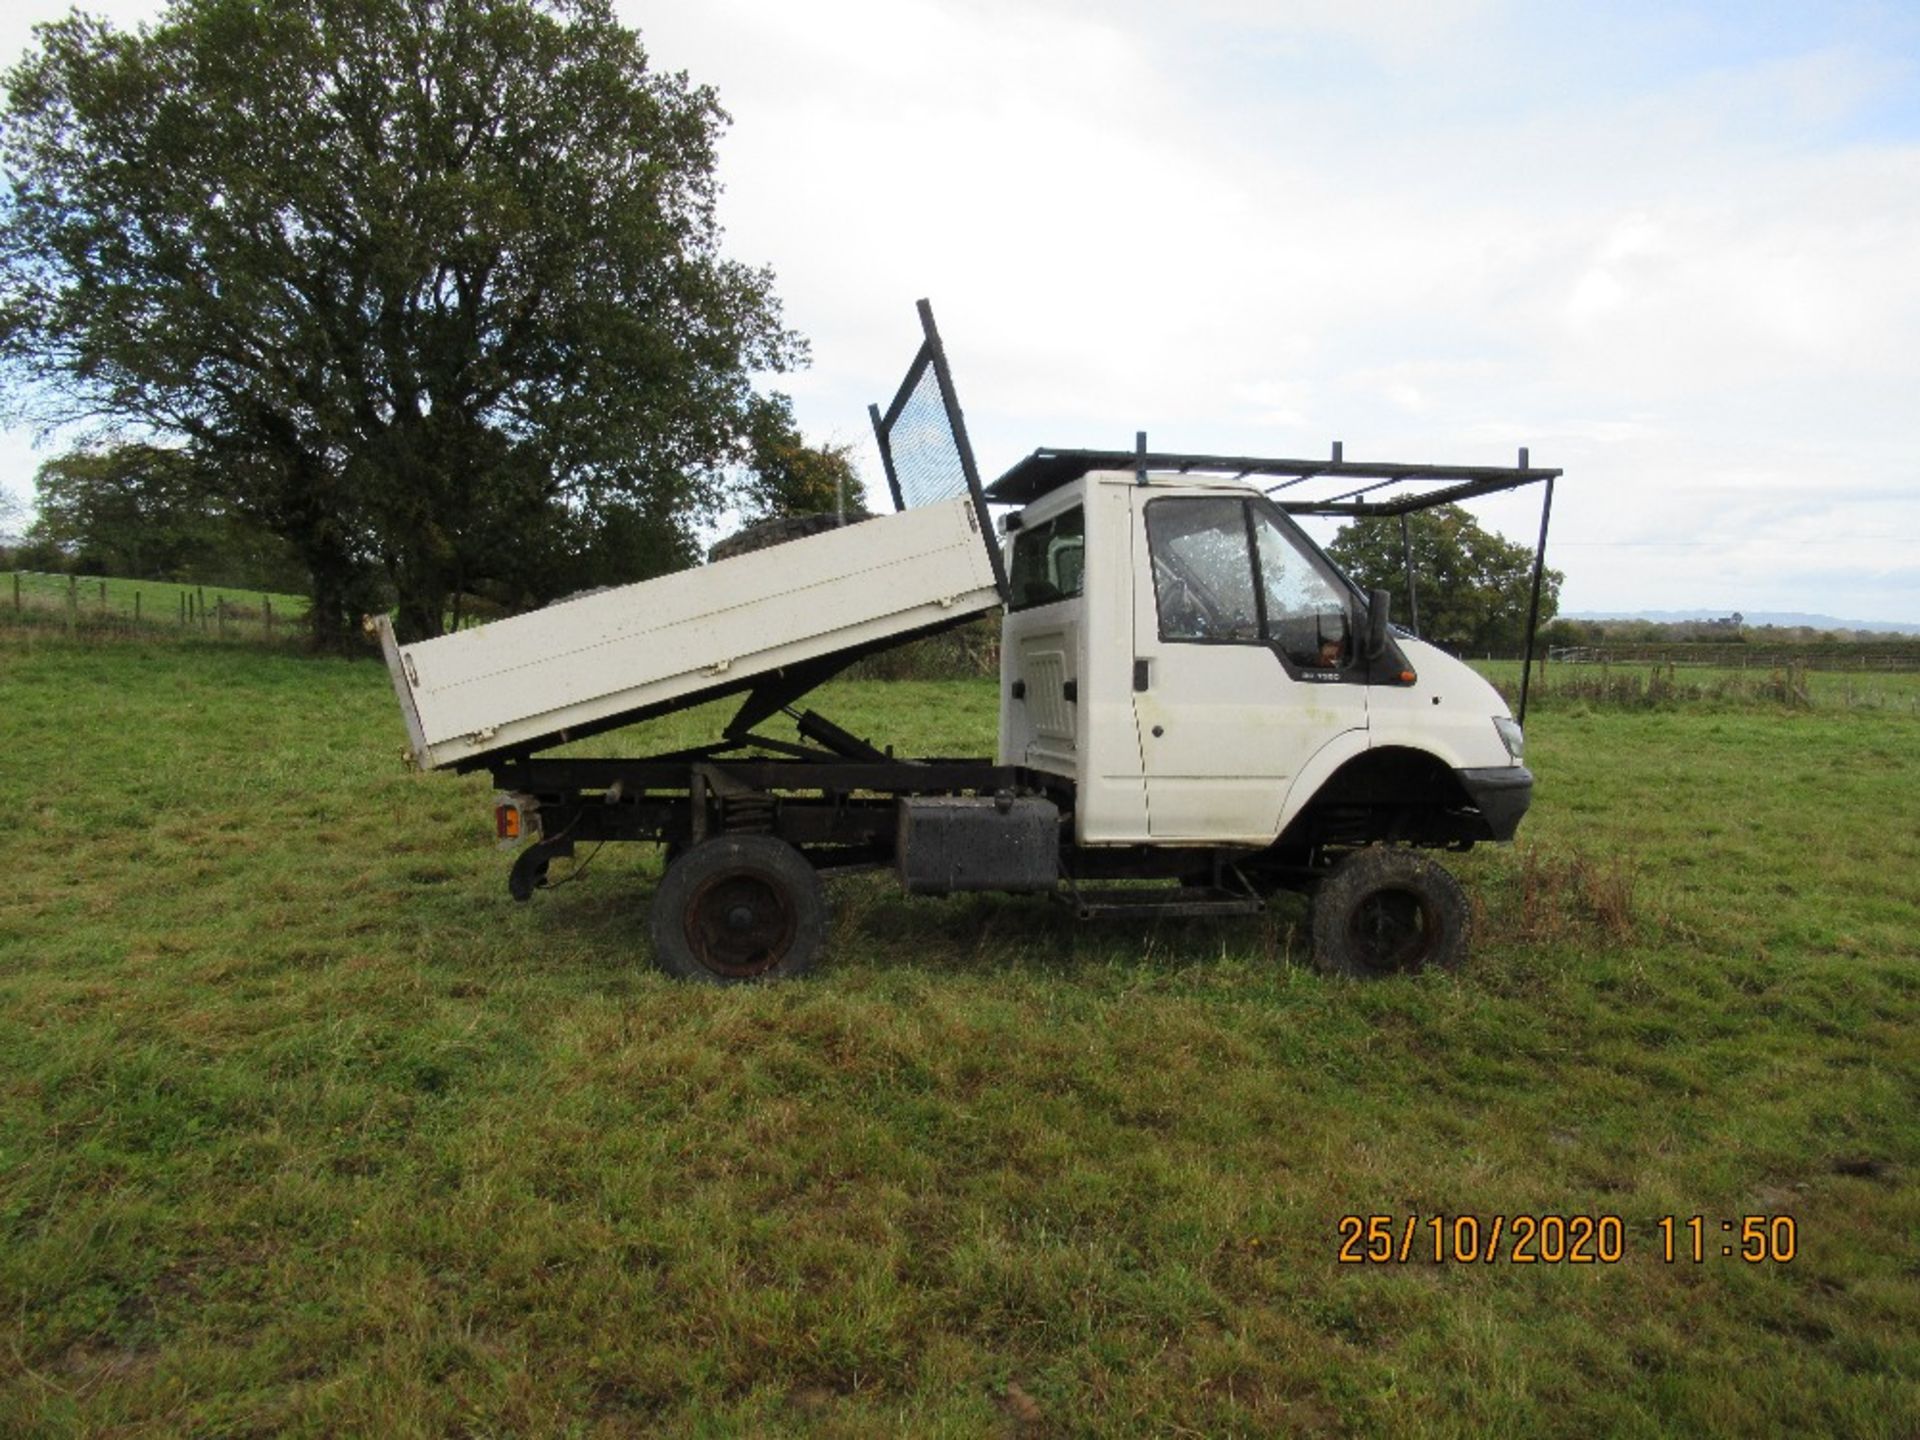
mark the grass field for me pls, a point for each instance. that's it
(305, 1128)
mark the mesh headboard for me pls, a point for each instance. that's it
(923, 440)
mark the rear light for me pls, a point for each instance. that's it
(515, 818)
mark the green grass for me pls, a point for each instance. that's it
(306, 1128)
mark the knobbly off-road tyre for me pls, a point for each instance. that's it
(1388, 911)
(738, 909)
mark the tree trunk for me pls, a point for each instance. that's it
(337, 601)
(339, 592)
(306, 508)
(423, 608)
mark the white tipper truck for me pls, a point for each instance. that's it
(1190, 694)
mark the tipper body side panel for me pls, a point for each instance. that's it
(523, 682)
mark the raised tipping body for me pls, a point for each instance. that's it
(525, 682)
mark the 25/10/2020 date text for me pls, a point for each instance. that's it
(1470, 1239)
(1555, 1239)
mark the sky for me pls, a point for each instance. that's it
(1673, 249)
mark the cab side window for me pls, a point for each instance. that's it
(1049, 561)
(1202, 569)
(1226, 570)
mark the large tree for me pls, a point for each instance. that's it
(411, 275)
(1473, 585)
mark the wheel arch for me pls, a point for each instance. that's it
(1312, 777)
(1398, 776)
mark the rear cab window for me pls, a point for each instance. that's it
(1049, 561)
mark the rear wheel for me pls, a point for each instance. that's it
(1386, 911)
(739, 908)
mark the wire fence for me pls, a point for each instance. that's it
(1786, 682)
(88, 605)
(1890, 656)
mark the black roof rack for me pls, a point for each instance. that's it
(1046, 470)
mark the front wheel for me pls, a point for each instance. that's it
(739, 908)
(1385, 911)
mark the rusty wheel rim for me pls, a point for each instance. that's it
(1394, 929)
(741, 924)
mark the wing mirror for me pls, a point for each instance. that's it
(1378, 602)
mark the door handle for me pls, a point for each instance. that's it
(1141, 675)
(1070, 692)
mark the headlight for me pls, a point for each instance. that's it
(1511, 736)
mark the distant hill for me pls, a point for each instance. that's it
(1785, 619)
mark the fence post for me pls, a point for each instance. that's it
(220, 610)
(136, 607)
(266, 602)
(16, 592)
(103, 597)
(73, 601)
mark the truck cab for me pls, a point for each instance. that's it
(1178, 650)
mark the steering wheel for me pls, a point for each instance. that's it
(1184, 611)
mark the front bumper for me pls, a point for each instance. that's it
(1501, 793)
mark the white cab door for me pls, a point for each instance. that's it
(1244, 663)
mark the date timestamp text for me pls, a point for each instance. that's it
(1560, 1239)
